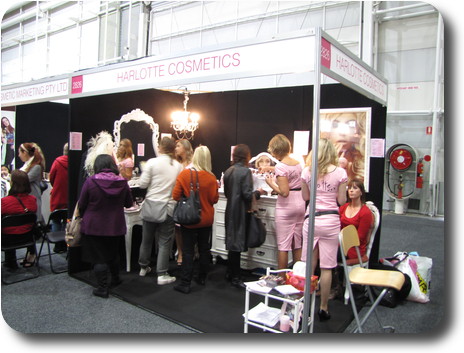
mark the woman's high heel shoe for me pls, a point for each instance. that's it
(323, 315)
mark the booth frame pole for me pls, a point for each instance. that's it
(312, 198)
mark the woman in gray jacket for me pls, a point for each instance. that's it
(238, 189)
(34, 165)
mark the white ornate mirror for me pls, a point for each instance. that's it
(261, 160)
(262, 157)
(143, 132)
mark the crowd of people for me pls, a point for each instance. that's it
(104, 194)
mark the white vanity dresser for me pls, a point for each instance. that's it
(262, 257)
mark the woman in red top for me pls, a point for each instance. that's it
(356, 212)
(20, 189)
(59, 181)
(199, 233)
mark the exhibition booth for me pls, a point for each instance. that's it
(245, 93)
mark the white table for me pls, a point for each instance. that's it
(133, 218)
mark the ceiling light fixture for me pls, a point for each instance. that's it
(184, 122)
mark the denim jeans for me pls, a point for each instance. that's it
(190, 237)
(163, 235)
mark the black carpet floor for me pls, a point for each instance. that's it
(216, 307)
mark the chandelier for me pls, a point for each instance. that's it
(184, 122)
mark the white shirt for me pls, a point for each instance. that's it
(159, 177)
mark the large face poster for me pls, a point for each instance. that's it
(349, 131)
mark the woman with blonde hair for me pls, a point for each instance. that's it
(184, 152)
(200, 233)
(330, 193)
(34, 165)
(290, 206)
(125, 159)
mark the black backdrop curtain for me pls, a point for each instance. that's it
(252, 117)
(46, 124)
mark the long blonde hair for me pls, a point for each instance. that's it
(326, 156)
(202, 159)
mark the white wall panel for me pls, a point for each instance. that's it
(89, 45)
(161, 24)
(313, 18)
(255, 8)
(11, 65)
(218, 36)
(262, 29)
(345, 15)
(64, 55)
(410, 130)
(34, 60)
(413, 33)
(109, 37)
(186, 18)
(215, 12)
(291, 23)
(186, 42)
(160, 47)
(413, 96)
(9, 36)
(408, 66)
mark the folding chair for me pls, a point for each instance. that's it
(53, 237)
(19, 241)
(352, 263)
(366, 277)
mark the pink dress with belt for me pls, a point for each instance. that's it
(289, 214)
(326, 227)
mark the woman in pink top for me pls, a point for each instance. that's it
(331, 192)
(290, 206)
(125, 159)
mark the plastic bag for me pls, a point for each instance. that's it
(408, 265)
(424, 273)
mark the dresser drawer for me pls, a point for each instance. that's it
(262, 257)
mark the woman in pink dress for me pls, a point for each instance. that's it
(290, 206)
(331, 192)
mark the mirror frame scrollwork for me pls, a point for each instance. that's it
(137, 115)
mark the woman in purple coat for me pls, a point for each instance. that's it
(101, 205)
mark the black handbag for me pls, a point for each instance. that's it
(43, 186)
(188, 209)
(256, 231)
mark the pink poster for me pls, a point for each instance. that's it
(75, 141)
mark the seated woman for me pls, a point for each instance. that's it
(16, 202)
(125, 159)
(356, 212)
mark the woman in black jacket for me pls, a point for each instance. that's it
(238, 189)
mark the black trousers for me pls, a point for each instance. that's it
(190, 237)
(234, 264)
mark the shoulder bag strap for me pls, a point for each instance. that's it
(26, 210)
(191, 181)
